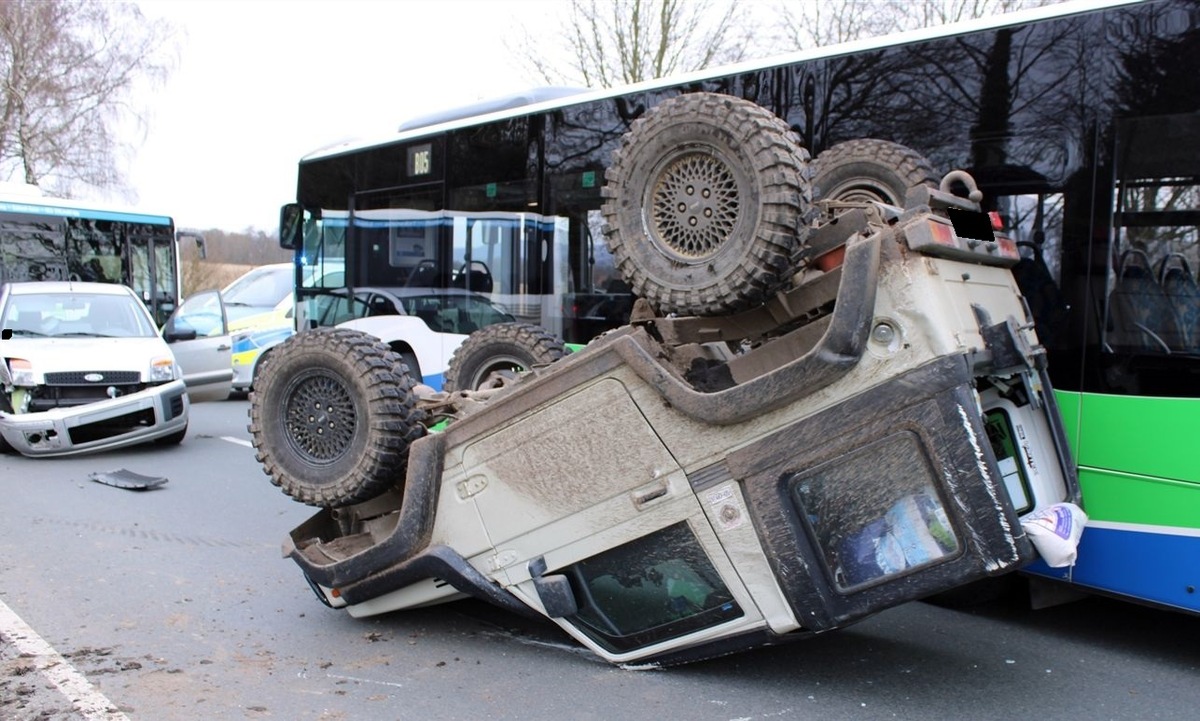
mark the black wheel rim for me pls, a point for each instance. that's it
(505, 365)
(864, 190)
(693, 202)
(319, 416)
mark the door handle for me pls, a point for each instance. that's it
(223, 347)
(652, 492)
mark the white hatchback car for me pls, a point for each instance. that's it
(84, 369)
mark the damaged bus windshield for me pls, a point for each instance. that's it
(51, 239)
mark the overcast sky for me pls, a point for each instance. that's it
(260, 83)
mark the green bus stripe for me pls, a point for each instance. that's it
(1129, 498)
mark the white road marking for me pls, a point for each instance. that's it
(239, 441)
(89, 702)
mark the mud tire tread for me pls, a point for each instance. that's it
(889, 168)
(530, 344)
(384, 417)
(754, 259)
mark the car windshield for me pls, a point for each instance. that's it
(262, 288)
(57, 315)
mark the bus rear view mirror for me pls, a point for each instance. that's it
(291, 224)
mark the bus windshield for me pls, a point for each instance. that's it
(48, 239)
(515, 260)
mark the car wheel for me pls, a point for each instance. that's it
(706, 203)
(409, 359)
(504, 349)
(859, 171)
(332, 416)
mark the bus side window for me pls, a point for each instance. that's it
(1035, 223)
(1183, 293)
(1140, 316)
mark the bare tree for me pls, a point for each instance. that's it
(813, 23)
(606, 43)
(69, 70)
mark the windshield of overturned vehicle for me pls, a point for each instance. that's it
(51, 315)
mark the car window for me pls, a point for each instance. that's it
(263, 287)
(201, 313)
(76, 314)
(336, 309)
(654, 588)
(875, 513)
(461, 314)
(381, 305)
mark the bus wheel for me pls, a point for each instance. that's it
(859, 171)
(496, 352)
(332, 417)
(706, 203)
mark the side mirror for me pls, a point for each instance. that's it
(174, 336)
(554, 590)
(291, 226)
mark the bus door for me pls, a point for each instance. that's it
(1136, 421)
(518, 260)
(151, 267)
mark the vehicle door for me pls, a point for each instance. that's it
(198, 334)
(619, 549)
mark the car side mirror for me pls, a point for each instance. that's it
(174, 335)
(554, 590)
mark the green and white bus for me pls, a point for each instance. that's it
(45, 238)
(1080, 121)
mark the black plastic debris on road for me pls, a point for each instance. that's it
(127, 479)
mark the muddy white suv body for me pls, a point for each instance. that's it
(689, 485)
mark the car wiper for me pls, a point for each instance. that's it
(26, 331)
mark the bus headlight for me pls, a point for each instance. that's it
(162, 370)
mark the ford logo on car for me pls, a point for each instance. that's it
(93, 377)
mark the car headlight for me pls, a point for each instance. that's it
(162, 370)
(21, 372)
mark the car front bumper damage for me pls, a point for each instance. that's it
(127, 420)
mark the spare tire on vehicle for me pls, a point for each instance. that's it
(332, 416)
(502, 349)
(707, 200)
(867, 169)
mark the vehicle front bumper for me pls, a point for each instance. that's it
(127, 420)
(243, 369)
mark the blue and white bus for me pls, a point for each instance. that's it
(51, 239)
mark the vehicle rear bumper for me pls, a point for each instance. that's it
(136, 418)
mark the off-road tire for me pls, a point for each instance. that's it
(332, 416)
(706, 200)
(500, 348)
(869, 169)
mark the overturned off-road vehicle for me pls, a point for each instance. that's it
(820, 408)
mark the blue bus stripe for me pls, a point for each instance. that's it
(1160, 568)
(61, 212)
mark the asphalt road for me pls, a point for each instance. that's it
(175, 603)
